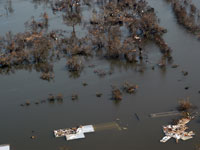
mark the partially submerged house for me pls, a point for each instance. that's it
(74, 133)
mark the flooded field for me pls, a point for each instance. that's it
(65, 65)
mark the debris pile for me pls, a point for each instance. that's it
(129, 88)
(185, 105)
(177, 131)
(74, 133)
(116, 94)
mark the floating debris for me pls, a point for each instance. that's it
(27, 103)
(47, 76)
(124, 128)
(74, 96)
(51, 98)
(74, 133)
(100, 72)
(59, 97)
(177, 131)
(116, 94)
(185, 73)
(129, 88)
(98, 94)
(84, 84)
(184, 105)
(33, 137)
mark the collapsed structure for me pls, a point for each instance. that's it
(177, 131)
(74, 133)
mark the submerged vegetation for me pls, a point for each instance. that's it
(38, 46)
(187, 14)
(185, 105)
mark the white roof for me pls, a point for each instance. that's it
(76, 136)
(4, 147)
(87, 128)
(70, 134)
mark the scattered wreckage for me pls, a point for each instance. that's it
(74, 133)
(177, 131)
(79, 131)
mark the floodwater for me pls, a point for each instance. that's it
(159, 90)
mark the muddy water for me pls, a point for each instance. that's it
(159, 90)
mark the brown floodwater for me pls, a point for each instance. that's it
(159, 90)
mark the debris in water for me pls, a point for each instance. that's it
(74, 96)
(84, 84)
(185, 73)
(129, 88)
(51, 98)
(28, 103)
(99, 94)
(59, 97)
(33, 137)
(47, 76)
(187, 87)
(184, 105)
(37, 103)
(177, 131)
(74, 133)
(124, 128)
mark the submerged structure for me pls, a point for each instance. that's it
(74, 133)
